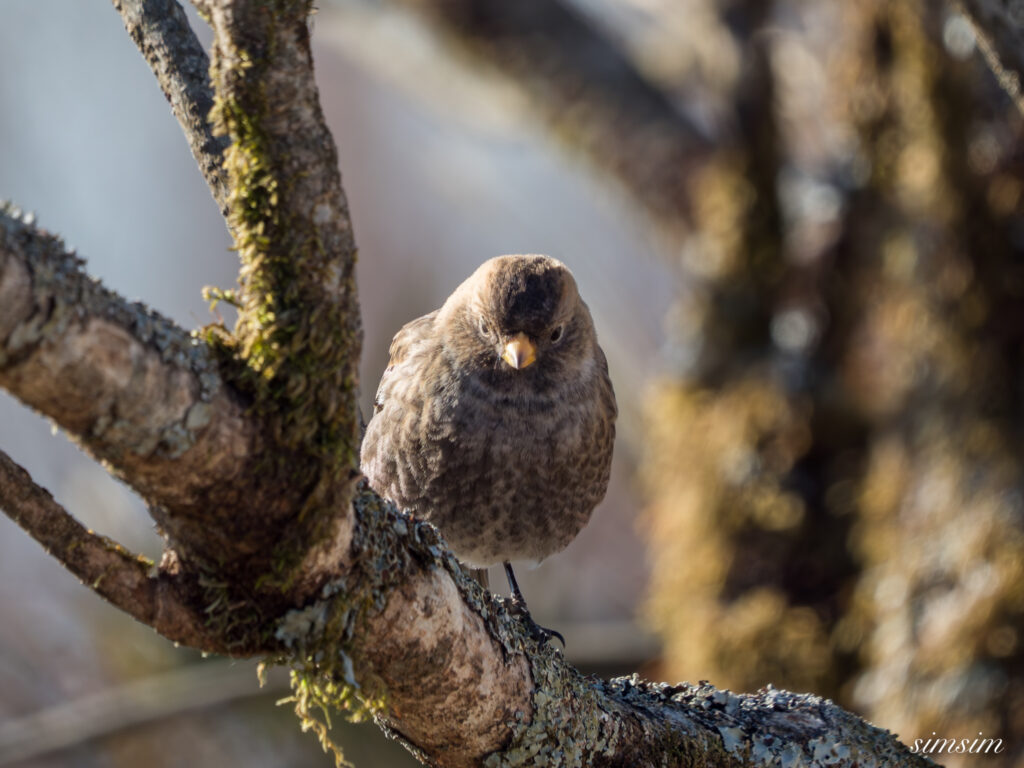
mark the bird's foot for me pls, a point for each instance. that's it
(541, 634)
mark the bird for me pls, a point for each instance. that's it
(495, 418)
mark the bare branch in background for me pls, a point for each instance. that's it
(208, 683)
(589, 93)
(999, 27)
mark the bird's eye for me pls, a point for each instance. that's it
(556, 335)
(484, 330)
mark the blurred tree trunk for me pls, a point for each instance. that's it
(833, 475)
(938, 256)
(743, 441)
(835, 488)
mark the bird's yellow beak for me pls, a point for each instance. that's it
(519, 352)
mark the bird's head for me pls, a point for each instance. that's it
(522, 318)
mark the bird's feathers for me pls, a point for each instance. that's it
(410, 334)
(509, 464)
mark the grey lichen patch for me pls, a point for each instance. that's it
(176, 439)
(304, 628)
(572, 723)
(829, 753)
(25, 335)
(322, 635)
(324, 680)
(580, 723)
(198, 416)
(787, 756)
(733, 738)
(774, 727)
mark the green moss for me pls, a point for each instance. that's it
(294, 356)
(291, 352)
(323, 638)
(324, 681)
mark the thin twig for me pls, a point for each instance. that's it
(999, 35)
(163, 35)
(156, 697)
(128, 581)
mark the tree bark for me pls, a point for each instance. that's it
(153, 595)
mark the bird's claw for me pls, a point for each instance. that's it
(543, 635)
(540, 634)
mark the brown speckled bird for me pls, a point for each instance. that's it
(495, 417)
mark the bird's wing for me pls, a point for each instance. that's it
(410, 333)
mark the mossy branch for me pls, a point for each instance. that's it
(297, 342)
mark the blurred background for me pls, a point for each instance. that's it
(798, 226)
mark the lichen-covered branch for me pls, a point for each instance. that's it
(454, 674)
(134, 389)
(1000, 29)
(628, 721)
(441, 663)
(162, 33)
(445, 667)
(141, 395)
(140, 588)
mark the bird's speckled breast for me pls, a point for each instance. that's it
(503, 479)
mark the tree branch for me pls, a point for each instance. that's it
(163, 36)
(462, 683)
(134, 388)
(587, 90)
(999, 27)
(130, 582)
(296, 347)
(69, 723)
(139, 394)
